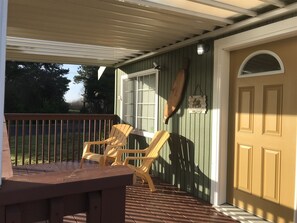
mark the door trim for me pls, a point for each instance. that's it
(222, 47)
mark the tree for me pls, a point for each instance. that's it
(99, 94)
(35, 87)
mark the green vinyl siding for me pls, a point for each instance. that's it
(185, 159)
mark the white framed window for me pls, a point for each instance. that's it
(260, 63)
(139, 106)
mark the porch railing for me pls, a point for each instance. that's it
(45, 138)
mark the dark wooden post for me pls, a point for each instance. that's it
(95, 207)
(56, 210)
(13, 214)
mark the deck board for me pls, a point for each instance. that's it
(167, 204)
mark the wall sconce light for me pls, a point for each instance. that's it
(202, 48)
(156, 66)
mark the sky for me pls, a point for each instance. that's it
(75, 90)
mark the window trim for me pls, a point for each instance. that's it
(138, 74)
(281, 71)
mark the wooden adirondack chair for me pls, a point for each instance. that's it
(117, 139)
(149, 155)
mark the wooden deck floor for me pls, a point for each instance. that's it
(168, 204)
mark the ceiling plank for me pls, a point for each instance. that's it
(56, 59)
(62, 25)
(96, 28)
(26, 42)
(160, 5)
(17, 46)
(148, 13)
(72, 18)
(119, 42)
(97, 33)
(225, 6)
(81, 12)
(148, 42)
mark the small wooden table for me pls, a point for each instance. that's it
(101, 193)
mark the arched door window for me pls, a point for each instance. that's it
(262, 62)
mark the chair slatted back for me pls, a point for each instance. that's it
(153, 150)
(119, 134)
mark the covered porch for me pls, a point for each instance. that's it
(131, 36)
(167, 204)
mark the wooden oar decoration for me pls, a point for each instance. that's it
(176, 92)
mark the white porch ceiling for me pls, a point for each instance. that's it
(109, 32)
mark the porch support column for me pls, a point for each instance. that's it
(220, 126)
(3, 28)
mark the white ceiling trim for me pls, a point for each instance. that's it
(274, 2)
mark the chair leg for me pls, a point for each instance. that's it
(81, 162)
(134, 178)
(150, 182)
(101, 161)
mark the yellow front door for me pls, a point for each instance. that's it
(262, 135)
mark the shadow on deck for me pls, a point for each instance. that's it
(168, 204)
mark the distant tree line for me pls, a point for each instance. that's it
(99, 94)
(35, 87)
(40, 88)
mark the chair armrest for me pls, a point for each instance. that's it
(87, 144)
(114, 147)
(127, 159)
(120, 152)
(117, 145)
(106, 141)
(131, 151)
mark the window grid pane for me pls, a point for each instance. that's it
(139, 97)
(129, 101)
(146, 96)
